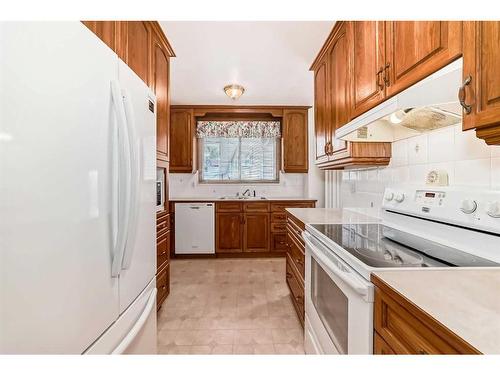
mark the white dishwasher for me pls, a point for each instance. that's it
(194, 228)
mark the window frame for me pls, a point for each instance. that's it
(279, 143)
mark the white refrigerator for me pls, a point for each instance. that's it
(77, 195)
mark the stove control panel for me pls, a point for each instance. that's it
(468, 207)
(430, 198)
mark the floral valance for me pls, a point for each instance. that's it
(238, 129)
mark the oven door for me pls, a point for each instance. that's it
(338, 304)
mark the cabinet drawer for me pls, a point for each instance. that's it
(278, 217)
(295, 223)
(295, 232)
(228, 207)
(162, 250)
(256, 207)
(278, 227)
(162, 285)
(406, 333)
(162, 225)
(280, 206)
(380, 346)
(296, 254)
(296, 289)
(278, 242)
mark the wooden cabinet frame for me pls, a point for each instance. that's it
(184, 149)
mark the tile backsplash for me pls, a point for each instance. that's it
(187, 185)
(468, 160)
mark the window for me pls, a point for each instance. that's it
(238, 151)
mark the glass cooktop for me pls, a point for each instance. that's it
(378, 245)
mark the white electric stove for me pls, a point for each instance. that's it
(420, 227)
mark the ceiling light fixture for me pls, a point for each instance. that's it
(234, 91)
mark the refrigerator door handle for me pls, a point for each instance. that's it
(134, 183)
(123, 179)
(136, 328)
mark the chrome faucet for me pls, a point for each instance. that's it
(247, 191)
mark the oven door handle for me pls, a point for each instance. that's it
(361, 287)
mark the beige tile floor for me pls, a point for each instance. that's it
(229, 306)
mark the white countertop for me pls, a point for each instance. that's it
(219, 199)
(333, 215)
(465, 300)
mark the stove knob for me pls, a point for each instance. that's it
(493, 209)
(389, 196)
(400, 197)
(468, 206)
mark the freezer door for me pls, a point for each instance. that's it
(139, 258)
(56, 125)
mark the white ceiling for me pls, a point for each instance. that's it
(270, 59)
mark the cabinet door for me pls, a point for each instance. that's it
(321, 111)
(160, 84)
(256, 232)
(229, 228)
(295, 147)
(481, 63)
(181, 140)
(416, 49)
(105, 30)
(367, 48)
(338, 64)
(135, 47)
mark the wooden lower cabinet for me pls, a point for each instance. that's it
(297, 289)
(295, 264)
(162, 285)
(256, 232)
(253, 227)
(403, 328)
(163, 231)
(380, 346)
(229, 232)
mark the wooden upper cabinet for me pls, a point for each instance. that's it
(337, 87)
(295, 141)
(416, 49)
(481, 71)
(160, 83)
(181, 140)
(367, 49)
(338, 64)
(256, 232)
(105, 30)
(229, 229)
(321, 109)
(135, 47)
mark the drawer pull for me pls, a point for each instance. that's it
(461, 95)
(422, 351)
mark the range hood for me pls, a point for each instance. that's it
(427, 105)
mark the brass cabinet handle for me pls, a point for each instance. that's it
(461, 95)
(386, 75)
(380, 84)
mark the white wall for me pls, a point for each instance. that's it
(466, 158)
(187, 185)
